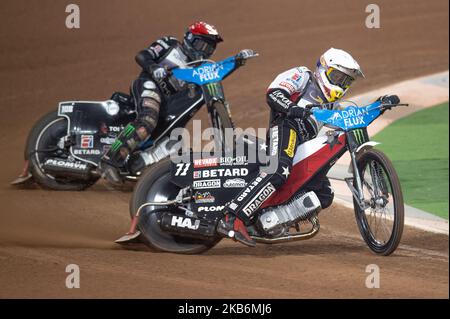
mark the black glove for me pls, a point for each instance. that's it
(389, 99)
(299, 113)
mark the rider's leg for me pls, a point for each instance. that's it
(147, 100)
(283, 141)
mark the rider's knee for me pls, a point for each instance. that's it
(280, 176)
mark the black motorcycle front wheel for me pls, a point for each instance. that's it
(44, 142)
(381, 224)
(221, 121)
(155, 186)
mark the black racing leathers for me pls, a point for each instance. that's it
(293, 88)
(149, 95)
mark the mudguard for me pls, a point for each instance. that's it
(218, 179)
(93, 126)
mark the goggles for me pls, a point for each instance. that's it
(339, 78)
(207, 47)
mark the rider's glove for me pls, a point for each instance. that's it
(158, 72)
(243, 55)
(299, 113)
(388, 100)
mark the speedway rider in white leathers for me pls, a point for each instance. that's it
(291, 124)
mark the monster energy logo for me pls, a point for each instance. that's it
(128, 130)
(116, 145)
(213, 89)
(359, 136)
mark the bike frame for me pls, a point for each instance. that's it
(317, 156)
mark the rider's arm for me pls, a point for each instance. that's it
(279, 100)
(286, 88)
(147, 58)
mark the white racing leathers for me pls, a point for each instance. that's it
(293, 88)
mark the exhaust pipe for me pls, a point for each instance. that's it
(292, 237)
(59, 167)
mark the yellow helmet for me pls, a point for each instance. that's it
(335, 72)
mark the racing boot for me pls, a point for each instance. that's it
(113, 161)
(233, 227)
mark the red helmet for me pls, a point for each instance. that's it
(201, 39)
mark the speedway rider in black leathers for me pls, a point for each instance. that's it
(154, 87)
(291, 124)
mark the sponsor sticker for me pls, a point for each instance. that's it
(249, 188)
(157, 48)
(224, 172)
(87, 141)
(116, 128)
(292, 141)
(65, 164)
(235, 183)
(274, 138)
(229, 160)
(207, 183)
(204, 197)
(208, 72)
(296, 77)
(206, 162)
(260, 197)
(288, 86)
(67, 108)
(87, 152)
(197, 174)
(210, 208)
(180, 221)
(107, 140)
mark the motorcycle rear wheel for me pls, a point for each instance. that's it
(155, 186)
(45, 135)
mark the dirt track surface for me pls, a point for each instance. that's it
(42, 62)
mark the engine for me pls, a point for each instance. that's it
(276, 220)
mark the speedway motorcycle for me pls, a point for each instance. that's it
(176, 206)
(64, 147)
